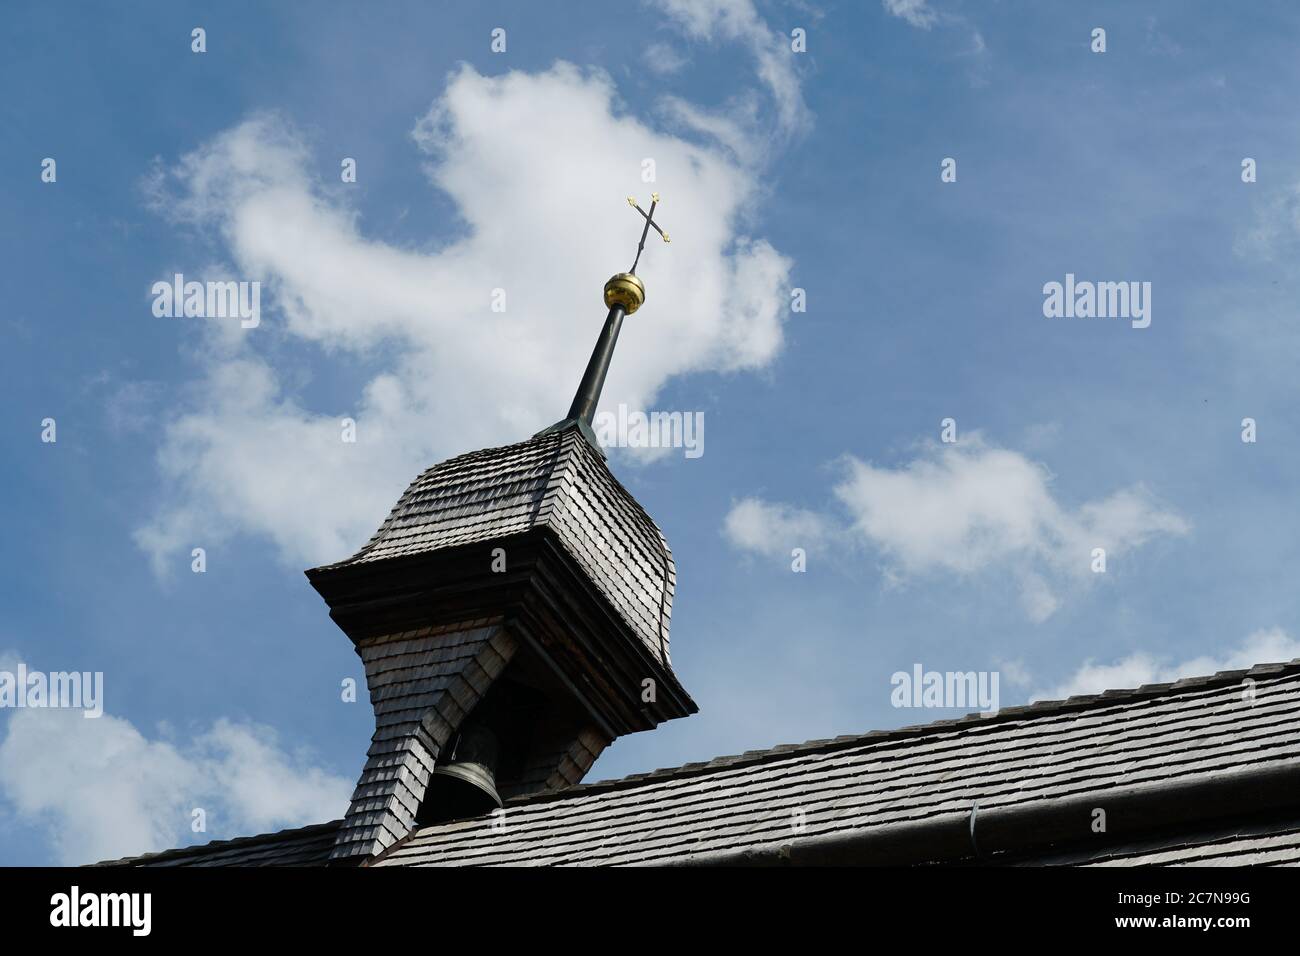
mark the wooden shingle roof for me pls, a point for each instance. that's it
(305, 846)
(1251, 844)
(555, 480)
(1153, 756)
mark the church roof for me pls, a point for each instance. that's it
(555, 480)
(304, 846)
(1170, 763)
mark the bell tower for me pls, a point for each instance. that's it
(512, 616)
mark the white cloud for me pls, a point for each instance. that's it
(734, 129)
(755, 525)
(1268, 646)
(1273, 231)
(915, 12)
(103, 790)
(970, 508)
(536, 165)
(1015, 673)
(972, 49)
(664, 59)
(738, 21)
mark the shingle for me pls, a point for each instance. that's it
(1260, 844)
(306, 846)
(1185, 732)
(1093, 746)
(554, 480)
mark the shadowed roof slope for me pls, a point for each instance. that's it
(1251, 844)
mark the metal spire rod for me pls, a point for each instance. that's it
(624, 294)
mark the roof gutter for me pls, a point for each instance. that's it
(977, 834)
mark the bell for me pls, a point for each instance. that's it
(467, 786)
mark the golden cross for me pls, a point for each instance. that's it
(649, 223)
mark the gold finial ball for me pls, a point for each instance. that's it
(626, 290)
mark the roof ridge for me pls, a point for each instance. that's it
(392, 517)
(557, 474)
(201, 848)
(667, 590)
(1033, 710)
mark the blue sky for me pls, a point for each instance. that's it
(817, 170)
